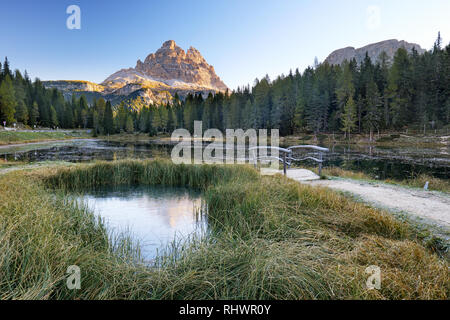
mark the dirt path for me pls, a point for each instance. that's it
(430, 206)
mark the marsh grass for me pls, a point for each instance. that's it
(271, 238)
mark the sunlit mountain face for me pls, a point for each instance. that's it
(168, 71)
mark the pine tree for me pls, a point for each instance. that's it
(34, 114)
(20, 95)
(234, 113)
(151, 114)
(164, 113)
(299, 114)
(381, 75)
(143, 120)
(53, 117)
(345, 91)
(129, 127)
(188, 114)
(68, 119)
(83, 112)
(57, 101)
(22, 112)
(95, 123)
(101, 107)
(207, 113)
(399, 86)
(262, 103)
(247, 114)
(157, 121)
(7, 100)
(171, 125)
(438, 43)
(278, 105)
(6, 69)
(313, 113)
(349, 117)
(121, 117)
(447, 110)
(108, 121)
(372, 105)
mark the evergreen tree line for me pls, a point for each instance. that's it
(413, 90)
(30, 103)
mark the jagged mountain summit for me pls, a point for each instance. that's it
(168, 71)
(374, 50)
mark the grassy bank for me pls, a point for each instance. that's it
(5, 164)
(391, 139)
(419, 181)
(6, 167)
(133, 137)
(271, 239)
(13, 137)
(146, 138)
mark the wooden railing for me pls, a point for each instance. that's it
(319, 152)
(287, 155)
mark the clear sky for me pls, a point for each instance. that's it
(242, 39)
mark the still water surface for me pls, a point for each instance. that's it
(154, 216)
(380, 163)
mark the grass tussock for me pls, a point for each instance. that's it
(271, 239)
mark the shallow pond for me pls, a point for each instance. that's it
(81, 150)
(382, 163)
(154, 216)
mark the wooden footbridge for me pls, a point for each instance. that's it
(289, 155)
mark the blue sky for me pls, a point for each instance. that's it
(242, 39)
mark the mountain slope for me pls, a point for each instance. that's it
(374, 50)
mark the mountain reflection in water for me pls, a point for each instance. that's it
(154, 215)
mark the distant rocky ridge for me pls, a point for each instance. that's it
(374, 50)
(168, 71)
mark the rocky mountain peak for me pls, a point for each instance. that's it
(170, 64)
(168, 71)
(374, 50)
(169, 49)
(170, 44)
(195, 55)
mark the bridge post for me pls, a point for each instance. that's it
(320, 164)
(284, 163)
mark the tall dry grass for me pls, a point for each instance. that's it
(271, 239)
